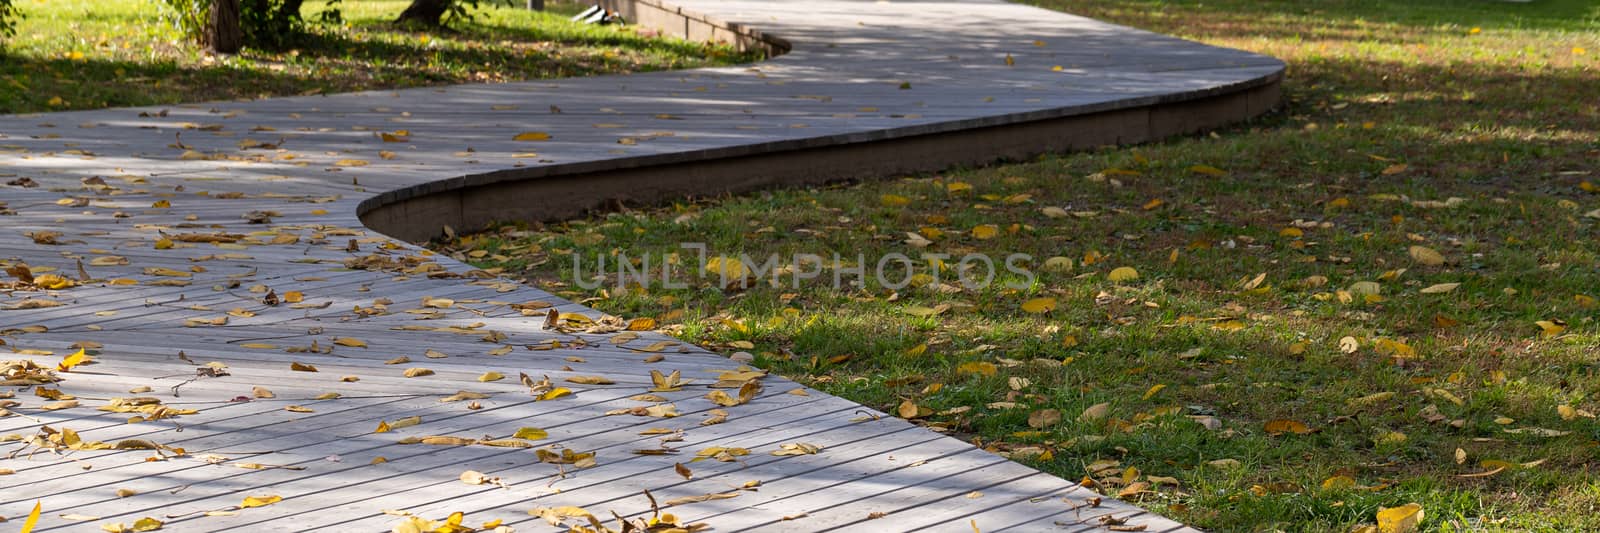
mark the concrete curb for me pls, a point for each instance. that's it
(553, 192)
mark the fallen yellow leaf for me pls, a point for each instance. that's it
(1039, 305)
(260, 501)
(1403, 519)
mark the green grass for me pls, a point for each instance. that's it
(1393, 109)
(86, 54)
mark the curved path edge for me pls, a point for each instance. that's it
(560, 191)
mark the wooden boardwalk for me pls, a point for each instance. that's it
(233, 283)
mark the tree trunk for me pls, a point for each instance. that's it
(223, 34)
(424, 12)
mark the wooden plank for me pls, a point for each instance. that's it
(809, 482)
(620, 474)
(306, 445)
(419, 460)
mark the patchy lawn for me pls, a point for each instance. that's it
(1384, 295)
(87, 54)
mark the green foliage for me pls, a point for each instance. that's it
(427, 14)
(331, 14)
(188, 16)
(8, 18)
(461, 10)
(267, 24)
(270, 24)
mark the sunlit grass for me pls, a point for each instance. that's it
(1394, 108)
(81, 54)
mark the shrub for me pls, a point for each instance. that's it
(266, 24)
(8, 18)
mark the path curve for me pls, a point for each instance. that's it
(175, 222)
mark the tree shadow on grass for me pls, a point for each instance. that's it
(1351, 18)
(330, 62)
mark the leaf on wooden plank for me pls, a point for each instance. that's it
(347, 341)
(301, 367)
(666, 382)
(718, 416)
(72, 360)
(34, 303)
(555, 515)
(723, 399)
(532, 136)
(385, 427)
(417, 372)
(491, 376)
(531, 433)
(797, 448)
(464, 395)
(555, 393)
(590, 380)
(260, 501)
(656, 346)
(197, 322)
(447, 440)
(161, 271)
(33, 517)
(567, 456)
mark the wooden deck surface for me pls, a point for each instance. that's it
(134, 200)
